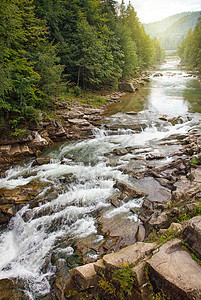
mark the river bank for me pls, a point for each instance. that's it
(80, 201)
(70, 121)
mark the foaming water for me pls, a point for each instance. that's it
(79, 180)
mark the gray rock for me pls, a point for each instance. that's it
(126, 87)
(128, 255)
(192, 235)
(41, 161)
(175, 272)
(159, 220)
(126, 188)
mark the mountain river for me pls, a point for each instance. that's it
(74, 188)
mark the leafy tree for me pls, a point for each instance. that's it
(21, 47)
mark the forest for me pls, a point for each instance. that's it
(190, 48)
(50, 45)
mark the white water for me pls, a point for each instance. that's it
(33, 235)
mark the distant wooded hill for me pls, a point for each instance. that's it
(171, 31)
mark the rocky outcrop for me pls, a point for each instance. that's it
(163, 269)
(77, 123)
(175, 272)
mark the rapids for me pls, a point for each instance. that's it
(74, 192)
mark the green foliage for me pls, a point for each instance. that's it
(125, 278)
(120, 283)
(96, 44)
(77, 91)
(163, 237)
(106, 286)
(26, 81)
(153, 296)
(19, 132)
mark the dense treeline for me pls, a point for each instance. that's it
(190, 48)
(88, 43)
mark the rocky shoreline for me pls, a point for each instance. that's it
(168, 219)
(70, 122)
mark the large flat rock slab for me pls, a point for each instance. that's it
(175, 272)
(128, 255)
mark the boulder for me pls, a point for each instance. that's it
(173, 270)
(127, 189)
(159, 220)
(126, 87)
(84, 276)
(128, 255)
(120, 230)
(38, 142)
(41, 161)
(192, 235)
(120, 151)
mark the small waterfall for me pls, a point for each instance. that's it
(75, 186)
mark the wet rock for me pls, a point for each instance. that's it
(84, 276)
(128, 255)
(126, 87)
(115, 201)
(175, 272)
(9, 290)
(38, 142)
(158, 75)
(127, 189)
(41, 161)
(133, 113)
(4, 217)
(120, 151)
(154, 156)
(192, 235)
(176, 120)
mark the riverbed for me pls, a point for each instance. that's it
(72, 217)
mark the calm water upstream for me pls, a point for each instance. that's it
(38, 238)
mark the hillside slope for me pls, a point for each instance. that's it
(172, 30)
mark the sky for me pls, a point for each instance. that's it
(154, 10)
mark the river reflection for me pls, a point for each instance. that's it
(174, 92)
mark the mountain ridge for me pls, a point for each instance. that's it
(172, 30)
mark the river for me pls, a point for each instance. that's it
(75, 186)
